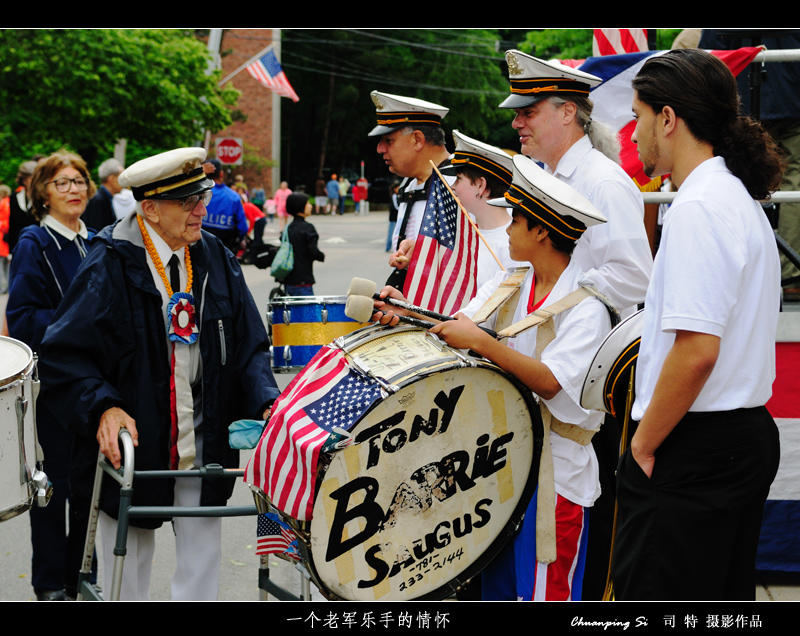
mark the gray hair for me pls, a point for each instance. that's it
(434, 135)
(108, 168)
(601, 136)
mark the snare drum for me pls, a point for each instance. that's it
(301, 325)
(434, 478)
(18, 474)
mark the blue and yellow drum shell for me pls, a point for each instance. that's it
(301, 325)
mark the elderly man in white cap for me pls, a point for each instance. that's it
(545, 560)
(555, 126)
(411, 136)
(160, 335)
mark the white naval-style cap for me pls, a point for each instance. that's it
(549, 200)
(396, 111)
(175, 174)
(533, 79)
(490, 159)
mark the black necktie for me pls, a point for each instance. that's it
(174, 274)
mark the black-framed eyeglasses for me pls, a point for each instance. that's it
(63, 184)
(190, 203)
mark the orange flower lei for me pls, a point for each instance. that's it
(151, 250)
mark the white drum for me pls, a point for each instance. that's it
(435, 480)
(21, 482)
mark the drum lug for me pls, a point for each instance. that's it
(324, 314)
(287, 316)
(287, 353)
(43, 487)
(269, 317)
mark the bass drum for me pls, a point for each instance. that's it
(18, 438)
(437, 477)
(300, 325)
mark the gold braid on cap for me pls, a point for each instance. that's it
(390, 119)
(547, 215)
(533, 86)
(483, 163)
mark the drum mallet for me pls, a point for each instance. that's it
(366, 288)
(361, 309)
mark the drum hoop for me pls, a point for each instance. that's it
(505, 534)
(307, 300)
(18, 377)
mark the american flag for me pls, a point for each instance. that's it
(612, 99)
(275, 536)
(326, 395)
(615, 41)
(268, 71)
(441, 274)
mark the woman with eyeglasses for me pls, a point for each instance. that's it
(45, 260)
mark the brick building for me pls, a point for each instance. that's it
(260, 134)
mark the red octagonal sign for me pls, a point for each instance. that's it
(229, 150)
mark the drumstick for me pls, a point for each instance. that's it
(361, 309)
(366, 288)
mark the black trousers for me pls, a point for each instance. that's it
(691, 531)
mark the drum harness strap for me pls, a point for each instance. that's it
(543, 319)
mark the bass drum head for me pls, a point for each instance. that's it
(435, 482)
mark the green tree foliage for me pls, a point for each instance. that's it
(86, 88)
(563, 44)
(334, 70)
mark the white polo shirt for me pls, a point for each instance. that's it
(717, 272)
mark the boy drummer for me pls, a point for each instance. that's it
(545, 559)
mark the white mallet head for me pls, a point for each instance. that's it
(359, 308)
(361, 287)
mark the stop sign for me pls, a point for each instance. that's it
(229, 151)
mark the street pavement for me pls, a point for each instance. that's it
(354, 246)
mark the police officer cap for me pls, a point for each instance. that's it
(533, 79)
(175, 174)
(554, 203)
(395, 112)
(484, 157)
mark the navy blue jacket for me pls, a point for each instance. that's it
(107, 347)
(42, 268)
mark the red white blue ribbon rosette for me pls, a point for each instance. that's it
(181, 318)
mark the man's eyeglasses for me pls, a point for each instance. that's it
(190, 203)
(64, 184)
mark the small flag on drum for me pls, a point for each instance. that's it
(324, 396)
(275, 536)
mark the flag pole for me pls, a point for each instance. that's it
(245, 65)
(469, 218)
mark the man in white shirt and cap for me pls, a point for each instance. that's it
(411, 137)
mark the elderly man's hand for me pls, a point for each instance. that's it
(111, 422)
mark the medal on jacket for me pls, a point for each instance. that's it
(181, 315)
